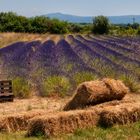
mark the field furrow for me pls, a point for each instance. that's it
(96, 60)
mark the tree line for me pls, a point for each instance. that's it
(11, 22)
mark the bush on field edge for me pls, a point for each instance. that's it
(130, 82)
(21, 88)
(56, 85)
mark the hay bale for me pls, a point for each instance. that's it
(101, 107)
(96, 92)
(63, 122)
(67, 122)
(17, 122)
(120, 114)
(117, 88)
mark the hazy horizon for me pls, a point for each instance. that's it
(90, 15)
(78, 7)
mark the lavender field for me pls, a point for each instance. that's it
(101, 56)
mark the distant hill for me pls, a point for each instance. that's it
(70, 18)
(79, 19)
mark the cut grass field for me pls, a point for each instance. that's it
(126, 132)
(36, 104)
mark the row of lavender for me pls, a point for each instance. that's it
(103, 56)
(36, 60)
(110, 56)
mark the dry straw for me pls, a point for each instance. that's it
(63, 122)
(116, 112)
(96, 92)
(49, 124)
(120, 114)
(17, 122)
(88, 93)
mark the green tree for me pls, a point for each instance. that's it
(74, 28)
(100, 25)
(39, 24)
(11, 22)
(58, 27)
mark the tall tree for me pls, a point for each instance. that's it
(100, 25)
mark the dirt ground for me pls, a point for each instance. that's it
(36, 104)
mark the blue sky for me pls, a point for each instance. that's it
(75, 7)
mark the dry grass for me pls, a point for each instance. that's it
(34, 104)
(96, 92)
(9, 38)
(55, 38)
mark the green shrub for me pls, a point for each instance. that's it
(83, 76)
(56, 85)
(21, 88)
(131, 82)
(101, 25)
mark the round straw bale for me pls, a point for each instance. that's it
(96, 92)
